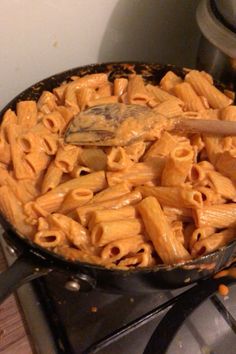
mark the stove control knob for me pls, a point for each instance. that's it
(72, 285)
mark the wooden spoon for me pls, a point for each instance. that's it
(119, 124)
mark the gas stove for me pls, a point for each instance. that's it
(62, 320)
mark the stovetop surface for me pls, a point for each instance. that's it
(78, 320)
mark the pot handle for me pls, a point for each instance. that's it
(21, 271)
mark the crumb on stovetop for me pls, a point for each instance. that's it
(223, 290)
(94, 309)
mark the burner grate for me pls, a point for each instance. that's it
(182, 306)
(224, 312)
(139, 322)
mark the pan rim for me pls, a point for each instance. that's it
(54, 257)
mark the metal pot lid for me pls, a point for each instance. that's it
(214, 30)
(227, 8)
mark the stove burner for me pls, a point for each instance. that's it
(89, 332)
(183, 306)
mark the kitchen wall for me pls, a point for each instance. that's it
(42, 37)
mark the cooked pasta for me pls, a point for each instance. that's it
(168, 247)
(161, 201)
(26, 112)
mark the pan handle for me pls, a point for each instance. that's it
(21, 271)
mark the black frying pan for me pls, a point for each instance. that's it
(34, 261)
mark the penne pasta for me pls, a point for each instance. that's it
(136, 150)
(47, 102)
(40, 128)
(52, 177)
(42, 224)
(209, 196)
(52, 200)
(76, 198)
(75, 233)
(91, 81)
(169, 248)
(54, 122)
(66, 112)
(30, 142)
(104, 215)
(84, 212)
(84, 96)
(170, 108)
(143, 259)
(222, 185)
(159, 94)
(228, 113)
(102, 100)
(161, 147)
(214, 147)
(9, 118)
(177, 229)
(185, 92)
(22, 170)
(33, 211)
(80, 171)
(120, 86)
(200, 234)
(49, 143)
(121, 248)
(12, 209)
(49, 238)
(226, 164)
(113, 192)
(117, 159)
(26, 112)
(136, 174)
(105, 90)
(207, 76)
(136, 91)
(66, 157)
(37, 162)
(196, 141)
(198, 174)
(212, 242)
(95, 181)
(177, 214)
(5, 151)
(218, 216)
(169, 81)
(24, 190)
(108, 231)
(204, 88)
(173, 196)
(177, 166)
(211, 114)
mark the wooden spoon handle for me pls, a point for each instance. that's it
(215, 127)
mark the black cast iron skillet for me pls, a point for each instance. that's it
(34, 261)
